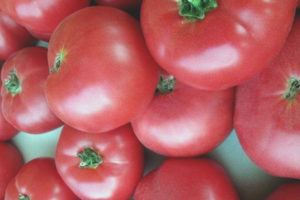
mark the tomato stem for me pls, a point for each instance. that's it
(293, 87)
(193, 10)
(60, 57)
(90, 158)
(23, 197)
(166, 85)
(13, 84)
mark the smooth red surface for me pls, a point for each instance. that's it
(12, 162)
(28, 111)
(268, 125)
(107, 77)
(121, 4)
(38, 180)
(232, 44)
(186, 122)
(116, 178)
(288, 191)
(41, 16)
(13, 36)
(192, 179)
(7, 131)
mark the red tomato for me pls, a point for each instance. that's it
(41, 17)
(38, 180)
(184, 121)
(192, 179)
(11, 162)
(288, 191)
(7, 131)
(121, 4)
(218, 44)
(102, 74)
(100, 166)
(12, 37)
(267, 114)
(23, 79)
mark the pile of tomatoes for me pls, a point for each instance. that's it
(172, 76)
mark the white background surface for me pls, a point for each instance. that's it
(251, 182)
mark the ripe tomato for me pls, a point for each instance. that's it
(192, 179)
(12, 162)
(7, 131)
(288, 191)
(218, 43)
(41, 17)
(23, 79)
(100, 166)
(267, 113)
(184, 121)
(38, 180)
(102, 74)
(12, 36)
(121, 4)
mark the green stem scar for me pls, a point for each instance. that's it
(13, 84)
(60, 57)
(293, 87)
(166, 85)
(193, 10)
(90, 158)
(23, 197)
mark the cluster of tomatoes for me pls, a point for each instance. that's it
(166, 82)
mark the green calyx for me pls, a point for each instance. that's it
(23, 197)
(13, 84)
(293, 87)
(193, 10)
(60, 57)
(166, 85)
(90, 158)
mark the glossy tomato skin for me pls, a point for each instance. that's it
(37, 180)
(114, 179)
(287, 191)
(13, 36)
(10, 167)
(193, 179)
(41, 16)
(107, 76)
(28, 110)
(185, 122)
(121, 4)
(267, 124)
(7, 131)
(233, 43)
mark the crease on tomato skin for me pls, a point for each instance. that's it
(59, 60)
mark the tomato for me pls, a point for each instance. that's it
(267, 113)
(192, 179)
(38, 180)
(7, 131)
(184, 121)
(100, 166)
(12, 162)
(287, 191)
(41, 17)
(102, 74)
(13, 37)
(215, 44)
(23, 79)
(121, 4)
